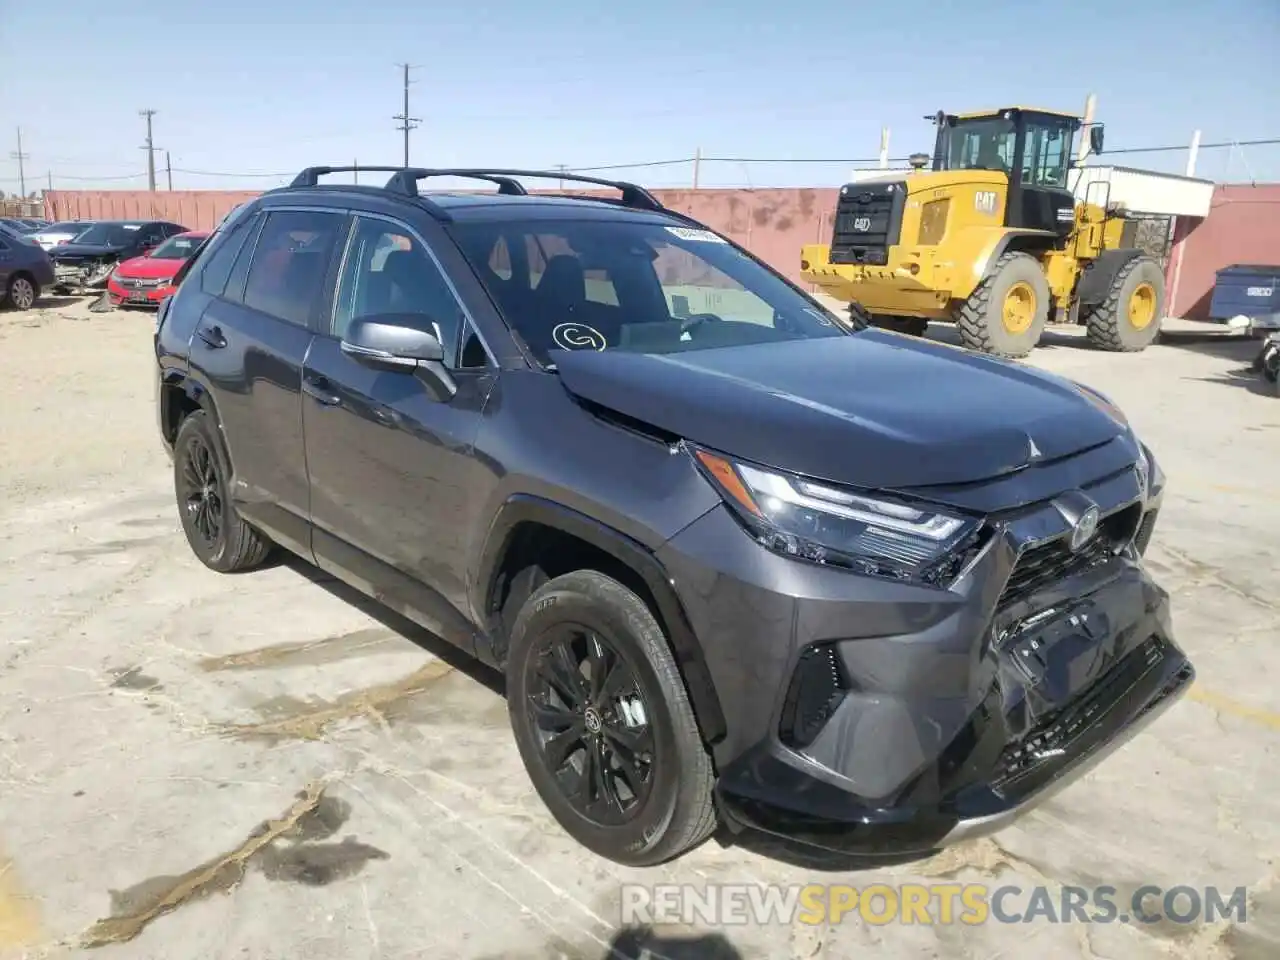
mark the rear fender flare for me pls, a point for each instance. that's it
(522, 508)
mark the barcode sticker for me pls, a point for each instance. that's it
(702, 236)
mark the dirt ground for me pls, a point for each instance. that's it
(268, 766)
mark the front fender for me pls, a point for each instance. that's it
(989, 244)
(524, 508)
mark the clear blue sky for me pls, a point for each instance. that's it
(274, 85)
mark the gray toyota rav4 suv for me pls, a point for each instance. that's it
(739, 563)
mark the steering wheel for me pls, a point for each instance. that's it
(688, 323)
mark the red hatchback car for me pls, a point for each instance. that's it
(146, 280)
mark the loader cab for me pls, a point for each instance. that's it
(1033, 148)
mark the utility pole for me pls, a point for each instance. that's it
(697, 166)
(407, 122)
(355, 172)
(168, 169)
(50, 176)
(149, 146)
(562, 168)
(20, 157)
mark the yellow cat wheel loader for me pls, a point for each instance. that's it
(992, 239)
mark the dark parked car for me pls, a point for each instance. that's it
(87, 262)
(737, 561)
(25, 269)
(24, 224)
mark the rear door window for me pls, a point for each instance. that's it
(290, 260)
(216, 266)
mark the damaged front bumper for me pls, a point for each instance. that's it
(82, 276)
(889, 718)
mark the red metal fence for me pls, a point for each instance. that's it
(1243, 225)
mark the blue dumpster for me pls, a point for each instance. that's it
(1244, 289)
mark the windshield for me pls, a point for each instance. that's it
(981, 145)
(110, 234)
(626, 285)
(176, 248)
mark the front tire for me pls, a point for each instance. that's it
(1128, 320)
(1006, 314)
(22, 292)
(603, 722)
(216, 532)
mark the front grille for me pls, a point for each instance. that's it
(1056, 733)
(868, 222)
(818, 686)
(1047, 563)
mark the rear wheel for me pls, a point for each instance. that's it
(603, 722)
(22, 292)
(217, 533)
(1007, 313)
(1128, 319)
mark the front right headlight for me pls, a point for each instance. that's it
(822, 523)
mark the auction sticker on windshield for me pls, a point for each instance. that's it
(702, 236)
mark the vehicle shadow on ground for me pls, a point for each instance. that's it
(53, 303)
(419, 636)
(1052, 337)
(1225, 346)
(640, 943)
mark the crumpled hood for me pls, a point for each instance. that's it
(873, 409)
(84, 250)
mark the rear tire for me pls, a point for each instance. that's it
(1128, 320)
(591, 681)
(216, 532)
(1006, 315)
(22, 292)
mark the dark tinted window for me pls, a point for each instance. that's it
(631, 285)
(216, 264)
(289, 262)
(111, 234)
(388, 271)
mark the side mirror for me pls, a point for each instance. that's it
(401, 343)
(1095, 138)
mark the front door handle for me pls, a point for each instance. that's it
(212, 336)
(318, 388)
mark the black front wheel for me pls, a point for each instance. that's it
(603, 722)
(216, 532)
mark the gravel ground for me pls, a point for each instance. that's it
(268, 766)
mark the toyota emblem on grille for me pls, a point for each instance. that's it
(1085, 528)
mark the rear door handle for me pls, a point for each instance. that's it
(212, 336)
(318, 388)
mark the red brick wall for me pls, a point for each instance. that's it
(1243, 226)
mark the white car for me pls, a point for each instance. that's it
(59, 233)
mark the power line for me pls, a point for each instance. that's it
(149, 146)
(407, 122)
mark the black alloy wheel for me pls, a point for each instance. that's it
(200, 491)
(216, 532)
(591, 720)
(603, 722)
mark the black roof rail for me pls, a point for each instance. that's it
(406, 181)
(310, 177)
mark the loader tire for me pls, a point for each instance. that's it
(1128, 320)
(1006, 315)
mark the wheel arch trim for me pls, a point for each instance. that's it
(526, 508)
